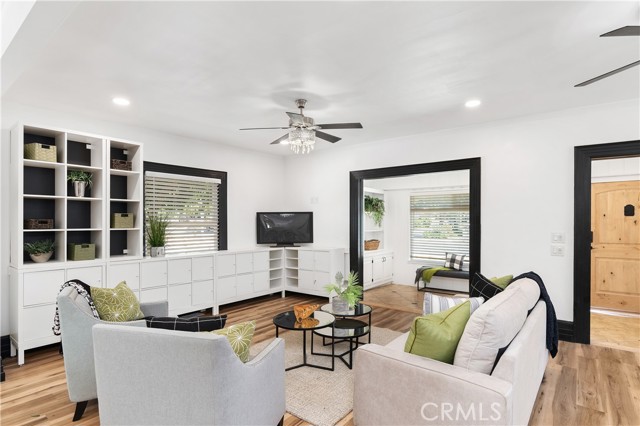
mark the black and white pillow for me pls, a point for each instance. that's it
(203, 323)
(482, 286)
(454, 261)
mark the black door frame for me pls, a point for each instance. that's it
(583, 156)
(356, 204)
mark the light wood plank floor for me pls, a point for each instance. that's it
(582, 385)
(615, 330)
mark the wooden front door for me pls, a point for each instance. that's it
(615, 250)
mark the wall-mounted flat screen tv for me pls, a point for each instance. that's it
(284, 228)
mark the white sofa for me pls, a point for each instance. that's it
(393, 387)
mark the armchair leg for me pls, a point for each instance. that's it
(80, 407)
(281, 422)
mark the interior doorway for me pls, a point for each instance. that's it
(605, 264)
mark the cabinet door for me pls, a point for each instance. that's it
(244, 284)
(261, 281)
(179, 298)
(322, 261)
(244, 263)
(91, 275)
(202, 293)
(368, 270)
(261, 261)
(321, 279)
(153, 274)
(179, 271)
(388, 267)
(153, 295)
(202, 268)
(42, 287)
(306, 279)
(305, 260)
(226, 264)
(37, 322)
(226, 288)
(378, 268)
(128, 272)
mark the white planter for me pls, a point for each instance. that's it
(157, 251)
(79, 187)
(41, 258)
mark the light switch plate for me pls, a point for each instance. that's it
(557, 249)
(558, 237)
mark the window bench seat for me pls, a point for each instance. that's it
(449, 280)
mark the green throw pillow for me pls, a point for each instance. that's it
(436, 336)
(239, 337)
(117, 304)
(502, 282)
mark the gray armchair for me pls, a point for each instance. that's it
(76, 321)
(148, 376)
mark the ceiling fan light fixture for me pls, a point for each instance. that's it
(473, 103)
(302, 140)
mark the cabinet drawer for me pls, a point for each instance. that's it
(202, 268)
(226, 265)
(128, 272)
(153, 295)
(42, 287)
(244, 263)
(244, 284)
(179, 298)
(226, 288)
(261, 261)
(179, 271)
(91, 275)
(202, 293)
(153, 274)
(261, 281)
(322, 261)
(37, 322)
(305, 260)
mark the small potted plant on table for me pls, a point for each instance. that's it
(347, 294)
(81, 180)
(40, 251)
(156, 234)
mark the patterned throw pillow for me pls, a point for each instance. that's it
(454, 261)
(239, 337)
(117, 304)
(203, 323)
(482, 286)
(434, 303)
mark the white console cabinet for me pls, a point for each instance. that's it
(308, 270)
(378, 268)
(243, 275)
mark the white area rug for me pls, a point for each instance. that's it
(320, 397)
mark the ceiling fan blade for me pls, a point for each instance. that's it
(296, 118)
(341, 126)
(630, 30)
(264, 128)
(280, 139)
(609, 74)
(327, 137)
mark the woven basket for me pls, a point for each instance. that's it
(371, 244)
(38, 151)
(121, 164)
(38, 224)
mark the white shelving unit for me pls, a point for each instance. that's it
(371, 230)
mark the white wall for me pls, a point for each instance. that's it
(527, 184)
(255, 180)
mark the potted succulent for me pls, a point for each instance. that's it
(156, 233)
(81, 180)
(374, 207)
(40, 251)
(347, 293)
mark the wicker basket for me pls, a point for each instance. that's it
(81, 251)
(122, 220)
(371, 244)
(38, 224)
(121, 164)
(38, 151)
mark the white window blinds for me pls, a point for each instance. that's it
(190, 204)
(439, 224)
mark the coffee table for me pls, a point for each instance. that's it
(287, 320)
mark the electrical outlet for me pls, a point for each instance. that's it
(558, 237)
(557, 250)
(314, 200)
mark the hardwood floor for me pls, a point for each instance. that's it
(583, 385)
(615, 330)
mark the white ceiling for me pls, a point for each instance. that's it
(206, 69)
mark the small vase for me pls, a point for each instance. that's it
(79, 188)
(157, 251)
(338, 304)
(41, 258)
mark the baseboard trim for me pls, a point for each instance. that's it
(566, 331)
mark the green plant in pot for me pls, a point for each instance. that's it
(81, 180)
(374, 207)
(40, 251)
(347, 293)
(156, 233)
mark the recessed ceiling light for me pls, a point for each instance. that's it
(121, 101)
(472, 103)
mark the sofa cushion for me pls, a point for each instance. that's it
(482, 286)
(454, 261)
(492, 327)
(239, 337)
(530, 288)
(436, 335)
(116, 304)
(202, 323)
(434, 303)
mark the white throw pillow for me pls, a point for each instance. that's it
(433, 303)
(492, 327)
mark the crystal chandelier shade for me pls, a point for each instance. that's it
(302, 140)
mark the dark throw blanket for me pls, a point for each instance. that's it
(552, 321)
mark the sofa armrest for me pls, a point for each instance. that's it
(398, 388)
(155, 309)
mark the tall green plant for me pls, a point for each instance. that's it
(156, 230)
(375, 208)
(351, 293)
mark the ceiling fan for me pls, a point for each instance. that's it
(303, 128)
(631, 30)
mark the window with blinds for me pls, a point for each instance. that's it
(190, 204)
(439, 224)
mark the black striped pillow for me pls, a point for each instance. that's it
(203, 323)
(482, 286)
